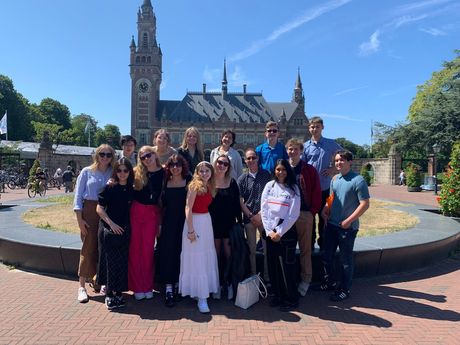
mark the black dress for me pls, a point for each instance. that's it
(113, 248)
(225, 210)
(169, 244)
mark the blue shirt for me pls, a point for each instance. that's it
(348, 191)
(320, 155)
(89, 184)
(269, 155)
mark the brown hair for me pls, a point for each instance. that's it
(294, 142)
(271, 124)
(229, 170)
(316, 119)
(198, 185)
(176, 158)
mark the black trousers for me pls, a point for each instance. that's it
(281, 266)
(320, 233)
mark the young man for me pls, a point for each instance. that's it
(272, 150)
(128, 144)
(67, 179)
(350, 199)
(251, 185)
(310, 189)
(319, 151)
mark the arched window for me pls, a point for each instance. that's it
(149, 59)
(145, 40)
(143, 59)
(138, 59)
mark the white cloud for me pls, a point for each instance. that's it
(419, 5)
(371, 46)
(433, 31)
(339, 117)
(400, 21)
(212, 75)
(164, 83)
(307, 16)
(343, 92)
(237, 77)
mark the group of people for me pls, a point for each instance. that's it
(196, 214)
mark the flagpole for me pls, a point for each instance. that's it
(372, 134)
(6, 114)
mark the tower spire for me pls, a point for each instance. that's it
(298, 96)
(224, 80)
(298, 84)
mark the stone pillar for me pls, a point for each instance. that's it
(395, 161)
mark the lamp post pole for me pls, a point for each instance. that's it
(436, 149)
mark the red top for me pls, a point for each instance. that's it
(202, 203)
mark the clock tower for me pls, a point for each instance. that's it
(145, 72)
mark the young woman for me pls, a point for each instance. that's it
(226, 148)
(161, 142)
(225, 211)
(199, 274)
(145, 218)
(280, 208)
(114, 232)
(170, 241)
(191, 148)
(90, 182)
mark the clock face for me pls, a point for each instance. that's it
(143, 87)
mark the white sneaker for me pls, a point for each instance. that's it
(148, 294)
(216, 295)
(82, 295)
(303, 288)
(203, 305)
(103, 290)
(139, 295)
(230, 292)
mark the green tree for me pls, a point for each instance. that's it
(19, 111)
(78, 134)
(54, 112)
(42, 129)
(357, 150)
(110, 134)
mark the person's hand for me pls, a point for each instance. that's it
(274, 236)
(83, 226)
(116, 229)
(345, 224)
(256, 220)
(325, 214)
(191, 235)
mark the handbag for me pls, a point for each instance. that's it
(249, 291)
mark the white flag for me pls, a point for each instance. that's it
(3, 124)
(87, 127)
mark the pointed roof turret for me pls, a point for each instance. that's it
(224, 80)
(133, 43)
(298, 83)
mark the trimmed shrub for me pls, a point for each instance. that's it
(449, 199)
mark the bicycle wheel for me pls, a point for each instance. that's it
(11, 184)
(31, 191)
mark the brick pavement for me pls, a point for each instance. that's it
(421, 307)
(17, 194)
(400, 193)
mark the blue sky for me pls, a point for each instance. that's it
(360, 60)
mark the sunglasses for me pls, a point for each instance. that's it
(105, 154)
(147, 155)
(272, 131)
(251, 158)
(175, 165)
(225, 164)
(123, 171)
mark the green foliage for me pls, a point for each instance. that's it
(54, 112)
(42, 129)
(382, 139)
(109, 135)
(357, 150)
(33, 170)
(449, 199)
(413, 175)
(364, 172)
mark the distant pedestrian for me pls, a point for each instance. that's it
(402, 178)
(67, 179)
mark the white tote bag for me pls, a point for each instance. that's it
(249, 291)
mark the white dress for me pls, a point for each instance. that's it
(199, 271)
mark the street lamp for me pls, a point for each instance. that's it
(436, 149)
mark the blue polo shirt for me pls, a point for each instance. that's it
(320, 155)
(269, 155)
(348, 191)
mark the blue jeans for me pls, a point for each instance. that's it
(335, 237)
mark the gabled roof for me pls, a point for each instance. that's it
(209, 107)
(278, 108)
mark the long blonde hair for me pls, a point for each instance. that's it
(96, 159)
(140, 171)
(199, 146)
(198, 185)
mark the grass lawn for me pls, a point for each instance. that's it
(378, 220)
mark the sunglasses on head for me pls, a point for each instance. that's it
(224, 163)
(123, 171)
(251, 158)
(105, 154)
(272, 131)
(175, 165)
(147, 155)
